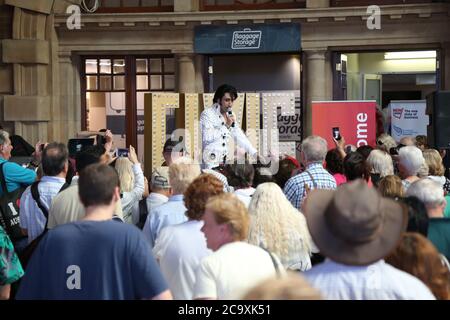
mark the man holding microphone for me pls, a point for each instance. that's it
(218, 125)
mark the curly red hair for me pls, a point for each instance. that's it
(198, 193)
(416, 255)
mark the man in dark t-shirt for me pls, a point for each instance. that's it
(95, 258)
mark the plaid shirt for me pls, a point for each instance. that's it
(295, 187)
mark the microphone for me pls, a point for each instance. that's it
(230, 111)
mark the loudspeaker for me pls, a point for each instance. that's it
(438, 130)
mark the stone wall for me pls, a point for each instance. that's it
(32, 100)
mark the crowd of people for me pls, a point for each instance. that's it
(372, 223)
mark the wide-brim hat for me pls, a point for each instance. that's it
(354, 224)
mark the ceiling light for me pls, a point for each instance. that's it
(410, 55)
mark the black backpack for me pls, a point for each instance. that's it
(26, 254)
(9, 209)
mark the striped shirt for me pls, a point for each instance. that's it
(31, 217)
(295, 187)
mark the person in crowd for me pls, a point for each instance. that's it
(15, 175)
(55, 163)
(172, 150)
(291, 287)
(235, 266)
(96, 258)
(181, 174)
(262, 175)
(314, 150)
(407, 141)
(410, 160)
(132, 182)
(180, 248)
(66, 206)
(15, 179)
(335, 166)
(10, 267)
(219, 127)
(365, 151)
(417, 215)
(423, 171)
(416, 255)
(277, 226)
(349, 148)
(421, 142)
(287, 168)
(219, 173)
(355, 167)
(160, 191)
(436, 169)
(391, 187)
(432, 196)
(355, 228)
(380, 165)
(240, 177)
(386, 142)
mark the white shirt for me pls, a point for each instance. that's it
(378, 281)
(180, 249)
(233, 270)
(153, 200)
(216, 136)
(245, 195)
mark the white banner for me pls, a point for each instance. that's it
(408, 118)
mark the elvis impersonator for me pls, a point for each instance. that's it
(218, 126)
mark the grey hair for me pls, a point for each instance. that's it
(411, 159)
(388, 142)
(4, 136)
(314, 148)
(428, 191)
(380, 162)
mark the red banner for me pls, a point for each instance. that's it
(355, 119)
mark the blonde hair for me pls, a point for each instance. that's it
(124, 169)
(434, 161)
(275, 224)
(230, 210)
(291, 287)
(181, 174)
(392, 187)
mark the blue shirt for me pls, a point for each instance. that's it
(16, 176)
(170, 213)
(92, 260)
(295, 186)
(378, 281)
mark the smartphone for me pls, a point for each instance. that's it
(336, 133)
(122, 152)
